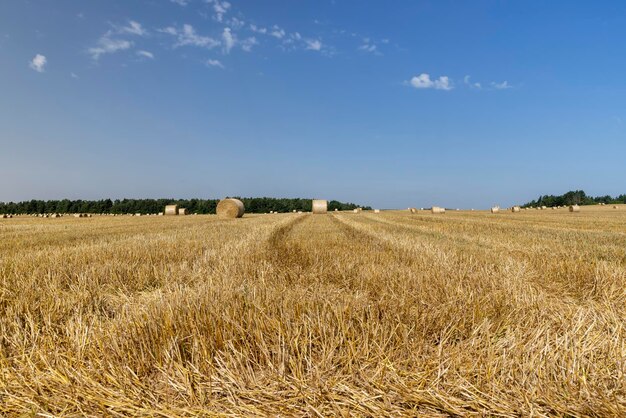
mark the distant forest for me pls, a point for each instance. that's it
(146, 206)
(576, 197)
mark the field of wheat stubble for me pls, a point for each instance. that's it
(363, 314)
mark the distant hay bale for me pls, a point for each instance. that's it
(320, 206)
(230, 208)
(182, 211)
(574, 208)
(376, 210)
(413, 210)
(515, 209)
(437, 209)
(553, 208)
(137, 214)
(160, 214)
(495, 209)
(355, 210)
(299, 211)
(336, 210)
(171, 210)
(5, 216)
(78, 215)
(294, 211)
(55, 215)
(543, 208)
(615, 207)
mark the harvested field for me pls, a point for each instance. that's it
(388, 314)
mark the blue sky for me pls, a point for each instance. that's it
(390, 104)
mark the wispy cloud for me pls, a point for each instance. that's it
(248, 43)
(38, 63)
(229, 40)
(188, 36)
(423, 81)
(145, 54)
(314, 44)
(236, 23)
(107, 45)
(214, 63)
(369, 46)
(277, 32)
(220, 8)
(501, 86)
(468, 82)
(133, 28)
(180, 2)
(257, 29)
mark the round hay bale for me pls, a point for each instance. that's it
(376, 210)
(615, 207)
(355, 210)
(574, 208)
(495, 209)
(230, 208)
(437, 209)
(413, 210)
(320, 206)
(4, 216)
(171, 210)
(515, 209)
(182, 211)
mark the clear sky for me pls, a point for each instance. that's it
(385, 103)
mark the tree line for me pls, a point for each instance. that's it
(575, 197)
(146, 206)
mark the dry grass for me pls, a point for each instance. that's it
(394, 314)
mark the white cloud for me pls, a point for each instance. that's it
(236, 23)
(248, 43)
(107, 45)
(169, 30)
(313, 44)
(180, 2)
(133, 28)
(228, 39)
(214, 63)
(468, 82)
(188, 36)
(501, 86)
(145, 54)
(277, 32)
(255, 28)
(423, 81)
(368, 48)
(220, 8)
(38, 63)
(74, 75)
